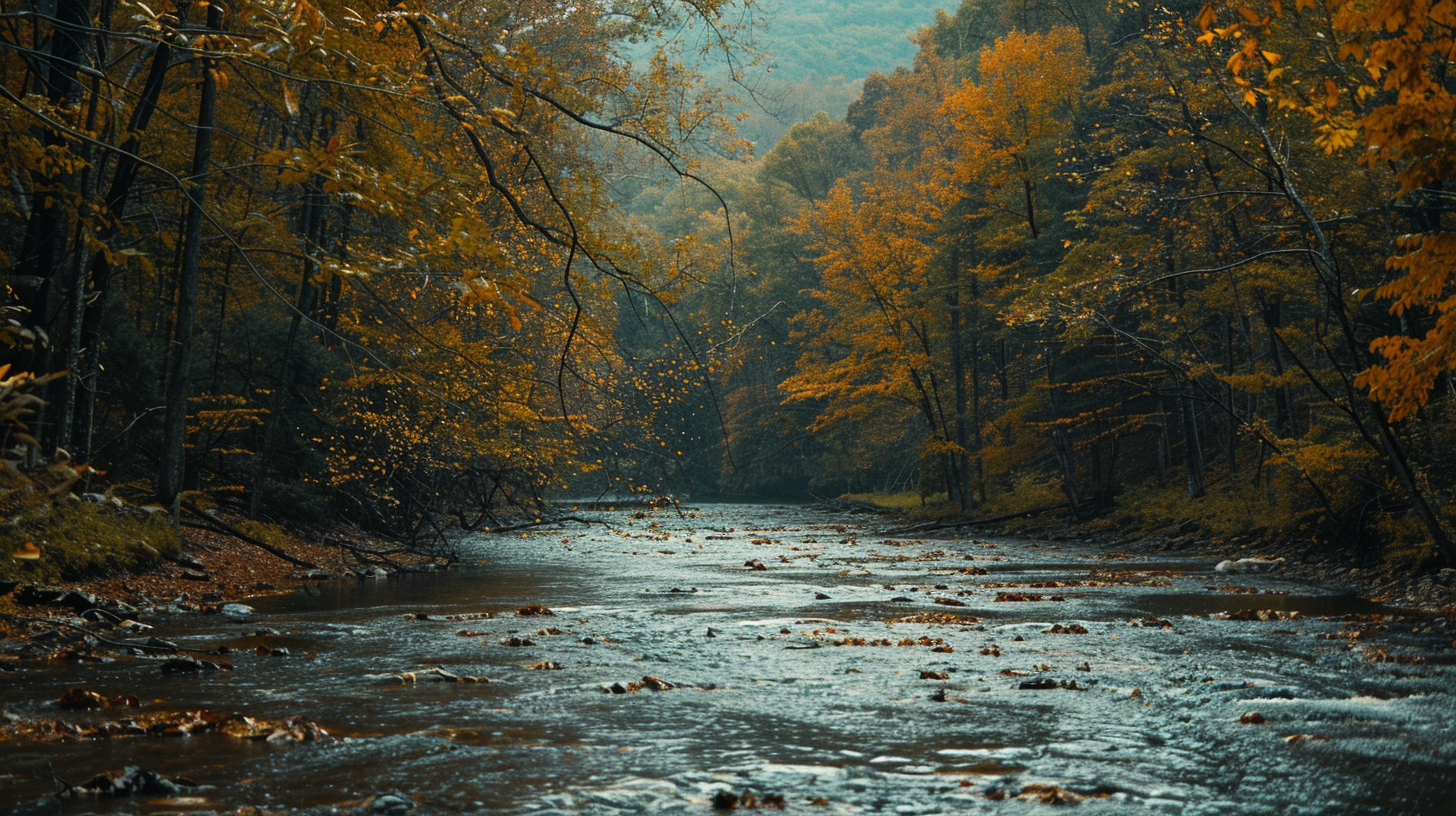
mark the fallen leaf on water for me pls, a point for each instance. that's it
(1009, 597)
(1058, 629)
(85, 699)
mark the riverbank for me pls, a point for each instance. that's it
(1335, 567)
(207, 570)
(1389, 576)
(215, 567)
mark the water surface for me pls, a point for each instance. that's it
(781, 688)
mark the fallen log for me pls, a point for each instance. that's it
(934, 526)
(542, 523)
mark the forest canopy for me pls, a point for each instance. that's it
(1144, 262)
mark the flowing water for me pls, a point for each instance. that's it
(793, 680)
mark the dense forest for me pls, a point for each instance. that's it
(414, 267)
(1170, 263)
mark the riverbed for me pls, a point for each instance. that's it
(795, 655)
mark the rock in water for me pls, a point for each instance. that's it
(391, 804)
(1255, 564)
(133, 781)
(237, 611)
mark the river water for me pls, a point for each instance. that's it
(794, 680)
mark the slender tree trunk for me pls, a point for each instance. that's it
(101, 271)
(1230, 416)
(1162, 445)
(278, 412)
(1192, 451)
(1283, 416)
(174, 426)
(962, 492)
(45, 229)
(1063, 446)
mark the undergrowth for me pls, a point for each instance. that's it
(77, 540)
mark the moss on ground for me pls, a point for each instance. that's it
(74, 540)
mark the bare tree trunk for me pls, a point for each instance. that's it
(961, 490)
(1192, 451)
(174, 427)
(282, 395)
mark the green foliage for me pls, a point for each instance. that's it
(1225, 512)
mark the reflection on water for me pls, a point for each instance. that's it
(792, 680)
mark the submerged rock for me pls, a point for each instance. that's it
(133, 781)
(1255, 564)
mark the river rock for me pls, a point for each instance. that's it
(189, 561)
(1255, 564)
(72, 599)
(237, 611)
(188, 665)
(133, 781)
(391, 804)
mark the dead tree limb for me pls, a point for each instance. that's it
(542, 523)
(217, 525)
(933, 526)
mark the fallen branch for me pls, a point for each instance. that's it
(219, 526)
(933, 526)
(159, 647)
(542, 523)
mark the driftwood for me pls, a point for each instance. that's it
(542, 523)
(217, 525)
(934, 526)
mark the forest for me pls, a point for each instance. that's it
(423, 269)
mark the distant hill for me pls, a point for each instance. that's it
(848, 38)
(821, 50)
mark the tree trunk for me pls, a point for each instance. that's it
(962, 487)
(100, 270)
(174, 427)
(1192, 451)
(312, 225)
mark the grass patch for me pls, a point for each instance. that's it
(270, 534)
(79, 540)
(1225, 512)
(909, 502)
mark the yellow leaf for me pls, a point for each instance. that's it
(290, 101)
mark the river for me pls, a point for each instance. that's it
(801, 679)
